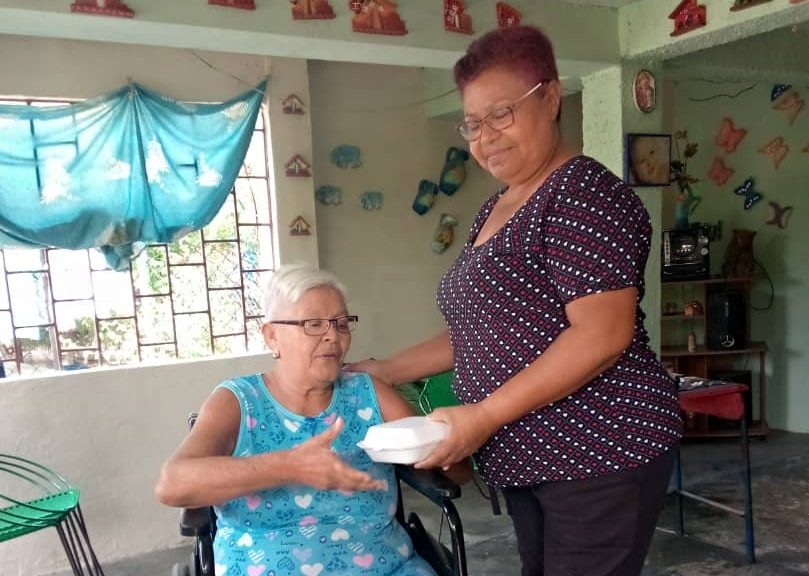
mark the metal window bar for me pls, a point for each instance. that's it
(55, 333)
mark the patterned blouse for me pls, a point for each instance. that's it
(582, 232)
(296, 530)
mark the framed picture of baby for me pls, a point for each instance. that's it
(647, 159)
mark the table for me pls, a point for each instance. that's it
(723, 400)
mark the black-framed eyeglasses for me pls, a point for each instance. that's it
(319, 326)
(498, 119)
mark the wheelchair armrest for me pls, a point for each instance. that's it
(431, 483)
(196, 521)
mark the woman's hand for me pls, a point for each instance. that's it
(314, 463)
(378, 369)
(469, 427)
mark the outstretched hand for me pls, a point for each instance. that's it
(469, 428)
(316, 464)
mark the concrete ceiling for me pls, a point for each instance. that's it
(607, 3)
(778, 55)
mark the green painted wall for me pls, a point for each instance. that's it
(783, 252)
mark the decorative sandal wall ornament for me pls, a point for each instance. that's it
(346, 156)
(297, 167)
(329, 195)
(425, 197)
(688, 16)
(311, 10)
(507, 16)
(371, 200)
(292, 105)
(243, 4)
(453, 174)
(455, 17)
(103, 8)
(377, 17)
(444, 234)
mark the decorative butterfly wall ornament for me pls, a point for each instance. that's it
(720, 172)
(751, 197)
(728, 137)
(779, 215)
(791, 104)
(776, 148)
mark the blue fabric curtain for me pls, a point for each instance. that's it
(120, 170)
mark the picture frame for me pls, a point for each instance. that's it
(644, 92)
(647, 159)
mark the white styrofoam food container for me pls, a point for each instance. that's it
(404, 441)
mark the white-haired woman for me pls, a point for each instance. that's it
(276, 453)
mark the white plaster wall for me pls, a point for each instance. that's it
(49, 68)
(107, 431)
(384, 256)
(291, 134)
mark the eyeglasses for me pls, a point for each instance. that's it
(497, 119)
(319, 326)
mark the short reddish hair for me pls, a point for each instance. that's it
(524, 49)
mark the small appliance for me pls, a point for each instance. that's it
(686, 254)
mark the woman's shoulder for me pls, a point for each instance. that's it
(354, 380)
(249, 383)
(586, 168)
(590, 181)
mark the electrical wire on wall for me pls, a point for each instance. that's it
(771, 297)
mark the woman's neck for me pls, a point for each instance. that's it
(306, 399)
(524, 187)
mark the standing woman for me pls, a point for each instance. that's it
(565, 407)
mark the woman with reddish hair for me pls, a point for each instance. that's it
(565, 407)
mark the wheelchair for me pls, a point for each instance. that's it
(200, 524)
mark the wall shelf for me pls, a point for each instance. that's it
(709, 362)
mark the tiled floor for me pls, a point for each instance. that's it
(713, 546)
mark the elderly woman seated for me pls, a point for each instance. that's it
(276, 453)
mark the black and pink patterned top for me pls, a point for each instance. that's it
(582, 232)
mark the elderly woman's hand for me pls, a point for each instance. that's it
(314, 463)
(469, 427)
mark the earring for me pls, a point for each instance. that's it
(275, 354)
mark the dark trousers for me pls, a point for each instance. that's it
(595, 527)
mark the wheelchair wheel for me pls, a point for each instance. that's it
(181, 570)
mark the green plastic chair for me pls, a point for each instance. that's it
(436, 392)
(44, 499)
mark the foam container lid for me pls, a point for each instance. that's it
(411, 432)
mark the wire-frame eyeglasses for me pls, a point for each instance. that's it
(319, 326)
(498, 119)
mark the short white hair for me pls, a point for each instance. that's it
(290, 282)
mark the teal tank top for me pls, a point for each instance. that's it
(297, 530)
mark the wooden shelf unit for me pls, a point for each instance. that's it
(705, 362)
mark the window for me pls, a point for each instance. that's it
(200, 296)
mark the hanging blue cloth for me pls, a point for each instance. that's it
(120, 170)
